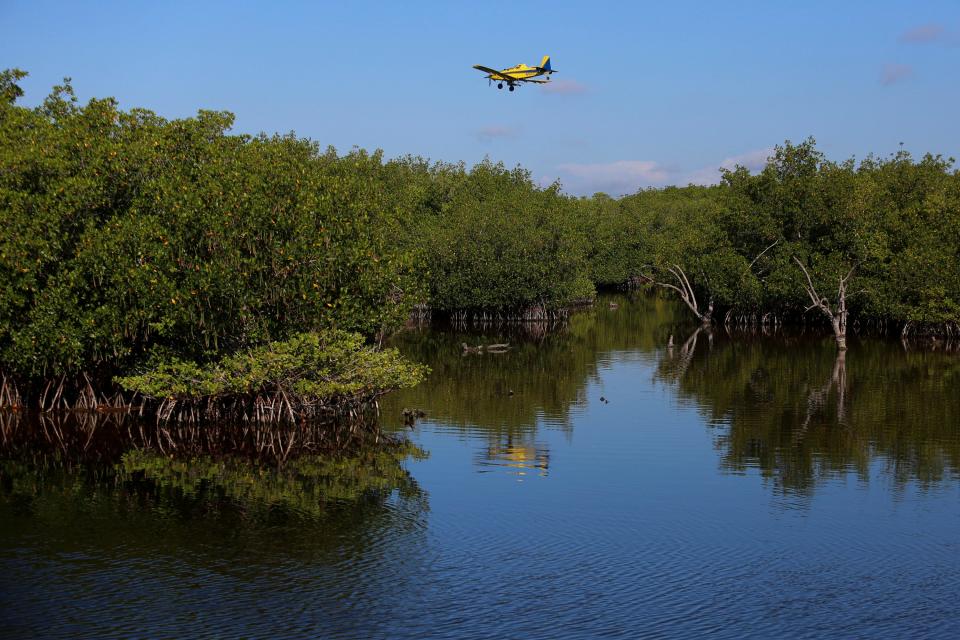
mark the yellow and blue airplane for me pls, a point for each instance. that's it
(519, 73)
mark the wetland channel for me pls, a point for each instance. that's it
(587, 482)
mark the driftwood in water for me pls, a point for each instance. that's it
(490, 348)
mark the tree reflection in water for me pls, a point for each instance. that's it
(801, 412)
(101, 468)
(506, 398)
(783, 401)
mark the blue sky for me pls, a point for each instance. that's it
(646, 93)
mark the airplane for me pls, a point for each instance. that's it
(519, 73)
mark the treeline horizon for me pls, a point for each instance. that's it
(133, 243)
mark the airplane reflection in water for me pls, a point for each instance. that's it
(517, 458)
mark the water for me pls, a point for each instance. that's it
(732, 486)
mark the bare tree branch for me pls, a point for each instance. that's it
(849, 273)
(685, 293)
(689, 288)
(838, 318)
(818, 301)
(759, 255)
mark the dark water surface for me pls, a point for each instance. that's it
(729, 486)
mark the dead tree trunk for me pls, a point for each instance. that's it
(685, 289)
(838, 316)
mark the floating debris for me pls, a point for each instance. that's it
(490, 348)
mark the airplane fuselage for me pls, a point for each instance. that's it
(521, 71)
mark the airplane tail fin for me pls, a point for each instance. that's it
(545, 64)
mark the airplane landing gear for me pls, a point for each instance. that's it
(511, 87)
(500, 86)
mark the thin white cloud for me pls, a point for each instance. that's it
(628, 176)
(924, 34)
(615, 178)
(753, 160)
(894, 73)
(495, 131)
(564, 87)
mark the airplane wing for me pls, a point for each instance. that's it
(532, 80)
(493, 72)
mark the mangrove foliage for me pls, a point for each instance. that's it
(175, 256)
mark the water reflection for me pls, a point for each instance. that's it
(649, 519)
(781, 401)
(96, 436)
(519, 458)
(801, 412)
(539, 383)
(105, 467)
(198, 546)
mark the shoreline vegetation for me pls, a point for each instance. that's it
(194, 275)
